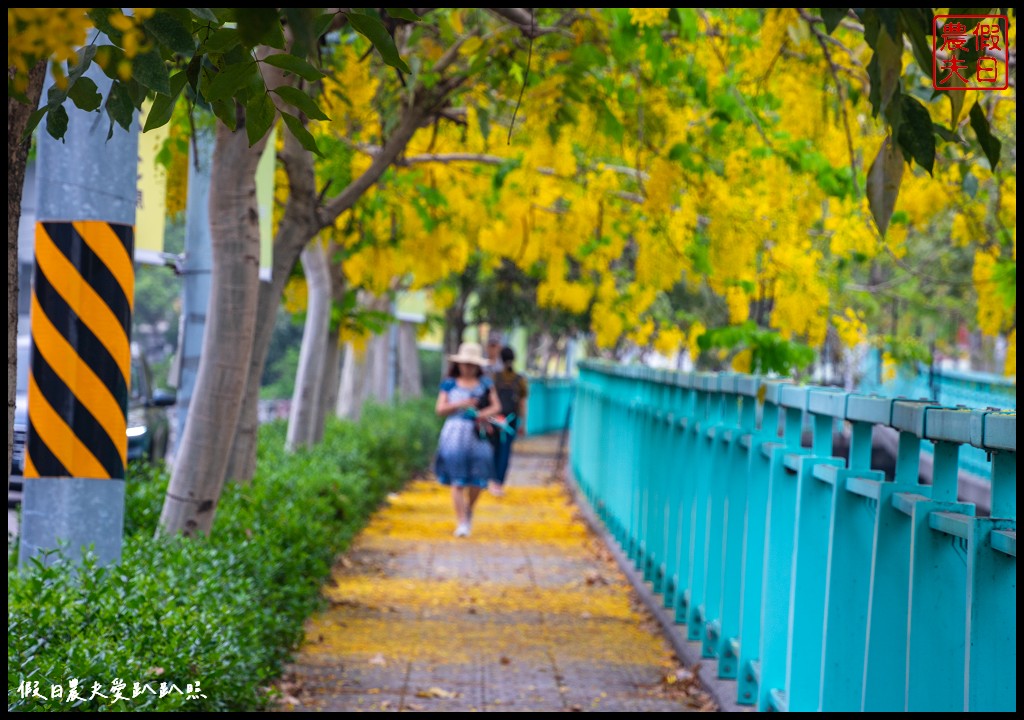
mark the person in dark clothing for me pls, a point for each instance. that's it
(512, 390)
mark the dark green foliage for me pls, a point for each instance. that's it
(228, 610)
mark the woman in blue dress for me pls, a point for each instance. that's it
(465, 456)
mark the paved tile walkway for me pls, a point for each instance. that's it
(530, 613)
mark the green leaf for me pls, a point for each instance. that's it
(301, 134)
(304, 24)
(916, 137)
(678, 152)
(884, 72)
(85, 95)
(85, 58)
(163, 105)
(295, 65)
(33, 120)
(891, 22)
(57, 122)
(832, 18)
(225, 112)
(120, 107)
(101, 18)
(946, 134)
(257, 24)
(609, 123)
(1005, 278)
(192, 73)
(170, 33)
(204, 14)
(484, 121)
(221, 41)
(230, 80)
(302, 101)
(883, 185)
(688, 26)
(956, 100)
(989, 142)
(274, 37)
(137, 92)
(109, 58)
(403, 14)
(917, 23)
(150, 70)
(374, 30)
(323, 23)
(971, 185)
(259, 117)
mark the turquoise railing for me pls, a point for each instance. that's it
(982, 391)
(548, 403)
(814, 583)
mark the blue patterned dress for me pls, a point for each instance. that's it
(463, 457)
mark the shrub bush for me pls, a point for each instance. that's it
(217, 616)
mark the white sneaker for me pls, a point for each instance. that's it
(462, 530)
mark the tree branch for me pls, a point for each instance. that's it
(522, 20)
(819, 36)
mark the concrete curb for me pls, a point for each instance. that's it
(689, 652)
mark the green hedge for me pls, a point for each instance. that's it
(225, 611)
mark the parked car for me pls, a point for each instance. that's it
(148, 425)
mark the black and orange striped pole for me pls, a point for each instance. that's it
(83, 290)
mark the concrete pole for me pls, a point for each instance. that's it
(82, 296)
(196, 269)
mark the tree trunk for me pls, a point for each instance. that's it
(454, 326)
(378, 367)
(410, 381)
(352, 387)
(303, 219)
(310, 374)
(327, 400)
(328, 397)
(293, 234)
(201, 462)
(17, 159)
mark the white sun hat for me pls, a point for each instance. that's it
(469, 352)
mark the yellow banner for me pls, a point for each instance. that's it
(265, 202)
(150, 213)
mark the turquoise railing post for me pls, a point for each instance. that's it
(677, 553)
(810, 553)
(669, 408)
(660, 479)
(635, 493)
(885, 667)
(991, 648)
(615, 449)
(738, 480)
(685, 493)
(651, 479)
(762, 447)
(581, 434)
(934, 664)
(779, 552)
(855, 496)
(707, 410)
(722, 425)
(627, 461)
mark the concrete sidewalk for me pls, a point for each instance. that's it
(530, 613)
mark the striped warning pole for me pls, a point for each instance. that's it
(82, 295)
